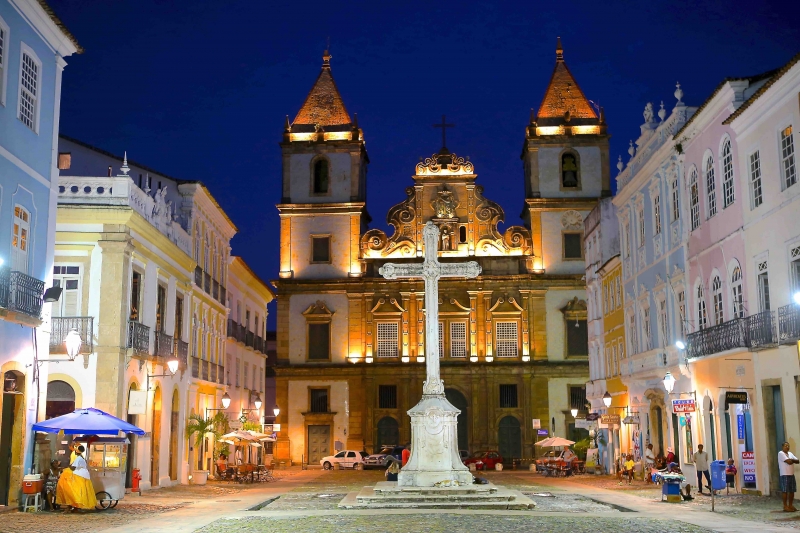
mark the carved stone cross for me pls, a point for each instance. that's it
(431, 270)
(444, 125)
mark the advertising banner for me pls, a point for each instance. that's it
(749, 467)
(683, 406)
(591, 458)
(740, 426)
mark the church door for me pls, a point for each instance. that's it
(509, 439)
(388, 433)
(319, 443)
(459, 402)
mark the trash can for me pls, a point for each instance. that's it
(718, 475)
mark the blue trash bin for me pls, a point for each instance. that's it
(718, 475)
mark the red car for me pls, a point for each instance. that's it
(484, 460)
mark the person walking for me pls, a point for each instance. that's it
(786, 462)
(701, 465)
(649, 462)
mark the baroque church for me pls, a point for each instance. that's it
(513, 341)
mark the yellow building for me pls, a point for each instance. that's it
(513, 341)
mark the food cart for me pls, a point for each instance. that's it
(107, 460)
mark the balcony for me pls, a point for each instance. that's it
(21, 293)
(182, 352)
(725, 336)
(138, 337)
(249, 339)
(164, 345)
(222, 295)
(212, 372)
(761, 331)
(789, 323)
(195, 367)
(221, 375)
(198, 276)
(60, 328)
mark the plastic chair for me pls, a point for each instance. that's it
(38, 503)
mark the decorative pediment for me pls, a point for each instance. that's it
(318, 311)
(449, 305)
(445, 164)
(387, 306)
(575, 309)
(506, 305)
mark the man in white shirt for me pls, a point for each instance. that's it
(786, 462)
(649, 462)
(701, 465)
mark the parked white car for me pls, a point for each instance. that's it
(345, 458)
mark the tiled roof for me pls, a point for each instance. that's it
(563, 94)
(57, 22)
(776, 75)
(324, 104)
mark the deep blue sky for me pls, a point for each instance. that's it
(199, 89)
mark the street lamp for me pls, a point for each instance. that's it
(679, 344)
(226, 401)
(172, 367)
(73, 343)
(796, 298)
(574, 412)
(257, 402)
(607, 399)
(669, 382)
(276, 410)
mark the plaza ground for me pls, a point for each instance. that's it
(307, 501)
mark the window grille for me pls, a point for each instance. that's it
(727, 174)
(319, 400)
(441, 339)
(755, 179)
(387, 396)
(508, 396)
(577, 398)
(711, 187)
(787, 156)
(506, 339)
(676, 205)
(387, 339)
(458, 339)
(657, 214)
(29, 91)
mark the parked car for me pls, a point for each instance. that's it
(484, 460)
(345, 458)
(386, 455)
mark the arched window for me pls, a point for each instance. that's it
(716, 291)
(727, 174)
(320, 176)
(711, 187)
(676, 205)
(736, 290)
(695, 199)
(702, 315)
(569, 170)
(19, 239)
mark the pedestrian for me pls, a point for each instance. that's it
(392, 471)
(701, 465)
(649, 462)
(730, 476)
(786, 462)
(51, 484)
(76, 491)
(405, 454)
(670, 456)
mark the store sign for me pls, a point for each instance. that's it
(541, 432)
(740, 426)
(735, 397)
(593, 416)
(683, 406)
(610, 420)
(582, 423)
(137, 402)
(630, 420)
(537, 423)
(749, 467)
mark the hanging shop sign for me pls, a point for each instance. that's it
(582, 423)
(630, 419)
(610, 420)
(683, 406)
(735, 397)
(593, 416)
(740, 427)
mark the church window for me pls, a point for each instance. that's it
(787, 157)
(711, 187)
(387, 339)
(506, 339)
(727, 174)
(462, 234)
(441, 339)
(387, 396)
(573, 247)
(694, 199)
(321, 181)
(577, 337)
(318, 400)
(458, 339)
(716, 289)
(569, 171)
(319, 341)
(321, 249)
(508, 397)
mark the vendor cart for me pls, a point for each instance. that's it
(107, 460)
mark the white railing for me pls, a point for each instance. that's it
(122, 191)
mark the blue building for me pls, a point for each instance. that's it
(33, 45)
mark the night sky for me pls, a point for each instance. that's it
(199, 89)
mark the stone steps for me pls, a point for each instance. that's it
(387, 495)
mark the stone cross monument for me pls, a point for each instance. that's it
(434, 438)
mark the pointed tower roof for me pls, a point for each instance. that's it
(324, 104)
(564, 96)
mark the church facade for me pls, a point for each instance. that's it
(513, 341)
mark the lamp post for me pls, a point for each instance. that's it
(607, 399)
(669, 382)
(226, 402)
(172, 367)
(73, 344)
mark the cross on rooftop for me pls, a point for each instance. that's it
(444, 125)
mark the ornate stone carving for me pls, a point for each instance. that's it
(572, 220)
(439, 164)
(516, 239)
(401, 217)
(445, 204)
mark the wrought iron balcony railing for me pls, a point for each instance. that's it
(164, 344)
(789, 323)
(222, 295)
(212, 372)
(182, 352)
(138, 337)
(204, 368)
(221, 375)
(195, 367)
(725, 336)
(198, 276)
(249, 339)
(207, 282)
(60, 326)
(761, 330)
(5, 285)
(21, 293)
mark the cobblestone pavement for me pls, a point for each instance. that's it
(80, 522)
(451, 523)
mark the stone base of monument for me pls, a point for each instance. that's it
(388, 495)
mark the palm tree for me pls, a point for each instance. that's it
(199, 427)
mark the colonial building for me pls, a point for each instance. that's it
(33, 46)
(513, 341)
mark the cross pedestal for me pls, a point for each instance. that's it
(434, 435)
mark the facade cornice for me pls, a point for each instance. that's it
(561, 204)
(339, 208)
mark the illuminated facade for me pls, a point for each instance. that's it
(513, 340)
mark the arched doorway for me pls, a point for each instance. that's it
(388, 433)
(659, 430)
(132, 437)
(11, 429)
(459, 402)
(155, 438)
(60, 399)
(509, 438)
(173, 437)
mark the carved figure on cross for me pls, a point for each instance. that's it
(431, 270)
(444, 125)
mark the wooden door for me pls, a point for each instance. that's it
(155, 438)
(319, 443)
(509, 439)
(20, 240)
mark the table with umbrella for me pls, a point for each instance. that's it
(247, 471)
(558, 466)
(107, 452)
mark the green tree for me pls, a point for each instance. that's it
(200, 426)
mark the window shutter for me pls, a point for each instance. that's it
(70, 298)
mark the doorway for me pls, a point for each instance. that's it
(132, 437)
(155, 438)
(509, 439)
(388, 433)
(60, 399)
(773, 415)
(11, 434)
(173, 437)
(460, 402)
(319, 443)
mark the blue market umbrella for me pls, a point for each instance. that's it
(89, 421)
